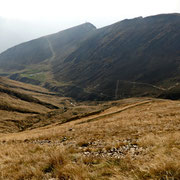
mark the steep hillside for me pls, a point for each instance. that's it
(24, 106)
(134, 57)
(139, 56)
(20, 56)
(31, 61)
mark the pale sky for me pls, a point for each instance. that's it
(71, 12)
(41, 17)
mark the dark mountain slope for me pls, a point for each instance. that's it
(42, 51)
(141, 50)
(65, 42)
(31, 52)
(134, 57)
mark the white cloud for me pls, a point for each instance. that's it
(83, 10)
(34, 18)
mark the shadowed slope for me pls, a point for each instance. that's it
(140, 50)
(31, 61)
(134, 57)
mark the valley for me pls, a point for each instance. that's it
(44, 136)
(85, 63)
(93, 104)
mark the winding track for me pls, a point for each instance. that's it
(51, 49)
(105, 114)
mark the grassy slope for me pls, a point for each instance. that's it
(25, 106)
(140, 50)
(31, 62)
(136, 138)
(20, 103)
(141, 55)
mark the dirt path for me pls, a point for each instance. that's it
(106, 113)
(156, 87)
(171, 87)
(52, 50)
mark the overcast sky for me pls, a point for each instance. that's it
(28, 19)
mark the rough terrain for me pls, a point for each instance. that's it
(135, 138)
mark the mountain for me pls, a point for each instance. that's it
(133, 57)
(130, 54)
(44, 135)
(41, 49)
(16, 31)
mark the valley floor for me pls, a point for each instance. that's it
(135, 138)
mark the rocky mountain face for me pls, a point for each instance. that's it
(134, 57)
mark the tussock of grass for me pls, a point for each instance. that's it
(149, 145)
(35, 162)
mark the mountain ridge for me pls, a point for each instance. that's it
(87, 63)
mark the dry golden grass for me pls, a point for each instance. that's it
(24, 161)
(136, 138)
(21, 86)
(20, 103)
